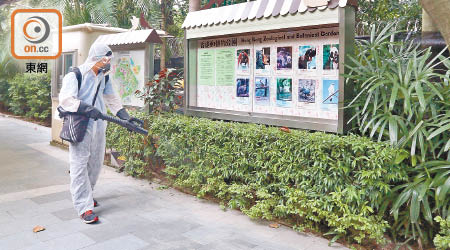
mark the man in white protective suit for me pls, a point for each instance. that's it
(86, 157)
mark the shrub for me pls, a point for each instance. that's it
(160, 92)
(313, 180)
(30, 95)
(402, 97)
(16, 91)
(442, 240)
(4, 94)
(130, 145)
(8, 69)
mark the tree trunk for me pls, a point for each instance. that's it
(163, 53)
(438, 11)
(427, 23)
(162, 64)
(194, 5)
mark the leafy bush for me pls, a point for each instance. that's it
(159, 93)
(402, 97)
(30, 95)
(313, 180)
(4, 94)
(442, 240)
(132, 146)
(8, 69)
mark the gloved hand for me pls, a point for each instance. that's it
(123, 114)
(89, 111)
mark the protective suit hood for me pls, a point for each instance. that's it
(96, 53)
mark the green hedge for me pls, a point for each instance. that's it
(4, 94)
(29, 95)
(320, 181)
(442, 240)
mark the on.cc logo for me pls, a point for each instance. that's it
(36, 29)
(36, 33)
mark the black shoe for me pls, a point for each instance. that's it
(96, 203)
(89, 217)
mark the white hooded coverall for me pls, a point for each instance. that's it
(86, 157)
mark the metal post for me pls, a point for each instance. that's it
(194, 5)
(346, 49)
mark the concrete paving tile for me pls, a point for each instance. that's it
(105, 209)
(56, 206)
(52, 197)
(295, 239)
(20, 209)
(236, 244)
(24, 212)
(205, 235)
(65, 228)
(5, 217)
(27, 223)
(18, 240)
(120, 224)
(121, 217)
(70, 242)
(136, 201)
(154, 244)
(165, 214)
(173, 219)
(125, 242)
(104, 194)
(101, 233)
(276, 247)
(158, 232)
(184, 244)
(66, 214)
(11, 205)
(38, 246)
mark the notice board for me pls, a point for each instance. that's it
(275, 73)
(278, 63)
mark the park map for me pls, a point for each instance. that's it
(126, 73)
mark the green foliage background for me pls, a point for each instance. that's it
(29, 95)
(442, 240)
(374, 11)
(402, 96)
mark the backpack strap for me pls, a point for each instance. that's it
(95, 96)
(98, 87)
(77, 72)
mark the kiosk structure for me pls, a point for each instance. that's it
(275, 62)
(133, 62)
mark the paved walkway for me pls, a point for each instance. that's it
(134, 214)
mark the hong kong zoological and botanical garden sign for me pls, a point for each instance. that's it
(272, 62)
